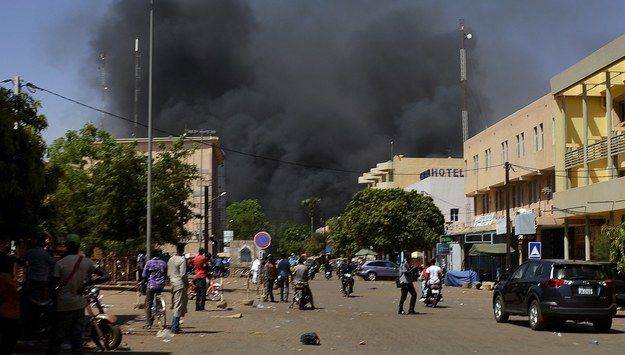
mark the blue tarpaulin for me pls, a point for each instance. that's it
(458, 278)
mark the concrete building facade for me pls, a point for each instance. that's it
(207, 197)
(524, 143)
(590, 153)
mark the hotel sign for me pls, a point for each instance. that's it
(441, 172)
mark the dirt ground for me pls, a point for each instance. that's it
(366, 323)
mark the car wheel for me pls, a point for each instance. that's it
(500, 315)
(536, 320)
(602, 325)
(372, 276)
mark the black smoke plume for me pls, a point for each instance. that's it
(327, 85)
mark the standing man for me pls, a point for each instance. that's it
(255, 270)
(40, 265)
(405, 278)
(284, 270)
(140, 266)
(200, 264)
(177, 273)
(217, 266)
(154, 275)
(270, 275)
(70, 276)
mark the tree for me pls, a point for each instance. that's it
(387, 220)
(102, 193)
(291, 238)
(616, 237)
(311, 203)
(24, 179)
(245, 219)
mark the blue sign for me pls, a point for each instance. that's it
(262, 240)
(442, 249)
(534, 250)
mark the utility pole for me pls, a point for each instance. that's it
(17, 86)
(508, 242)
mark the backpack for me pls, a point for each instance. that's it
(310, 339)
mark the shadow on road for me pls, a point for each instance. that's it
(568, 327)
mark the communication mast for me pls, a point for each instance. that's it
(137, 88)
(102, 70)
(463, 81)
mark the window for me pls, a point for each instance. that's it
(487, 162)
(485, 204)
(245, 254)
(538, 138)
(520, 145)
(504, 152)
(453, 214)
(476, 164)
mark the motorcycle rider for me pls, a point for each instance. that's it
(300, 275)
(345, 268)
(434, 273)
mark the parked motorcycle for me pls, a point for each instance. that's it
(102, 327)
(301, 296)
(433, 294)
(348, 284)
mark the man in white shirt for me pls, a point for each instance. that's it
(434, 271)
(255, 270)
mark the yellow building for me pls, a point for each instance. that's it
(207, 157)
(590, 153)
(524, 143)
(402, 172)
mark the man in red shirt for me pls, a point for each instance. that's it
(200, 265)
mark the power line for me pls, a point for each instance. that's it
(256, 156)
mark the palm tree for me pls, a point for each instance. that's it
(311, 203)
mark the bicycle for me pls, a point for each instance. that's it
(158, 311)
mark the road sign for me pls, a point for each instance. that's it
(442, 249)
(262, 240)
(534, 250)
(445, 239)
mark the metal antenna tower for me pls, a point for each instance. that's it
(102, 70)
(463, 81)
(137, 88)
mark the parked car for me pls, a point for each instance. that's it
(619, 282)
(555, 291)
(373, 269)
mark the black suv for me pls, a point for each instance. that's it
(557, 290)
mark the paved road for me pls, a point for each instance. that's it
(366, 323)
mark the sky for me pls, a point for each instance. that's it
(304, 95)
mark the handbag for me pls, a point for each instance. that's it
(397, 282)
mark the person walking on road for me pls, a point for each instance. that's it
(271, 273)
(177, 273)
(200, 264)
(70, 276)
(284, 270)
(255, 270)
(154, 275)
(406, 279)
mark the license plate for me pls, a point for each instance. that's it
(584, 290)
(435, 291)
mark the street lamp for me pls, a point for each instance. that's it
(208, 221)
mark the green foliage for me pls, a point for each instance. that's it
(245, 219)
(386, 220)
(24, 179)
(102, 193)
(311, 203)
(616, 236)
(291, 238)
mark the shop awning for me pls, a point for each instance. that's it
(489, 249)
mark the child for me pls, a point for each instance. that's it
(9, 305)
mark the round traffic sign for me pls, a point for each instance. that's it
(262, 240)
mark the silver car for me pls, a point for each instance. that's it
(373, 269)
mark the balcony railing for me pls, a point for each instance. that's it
(595, 151)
